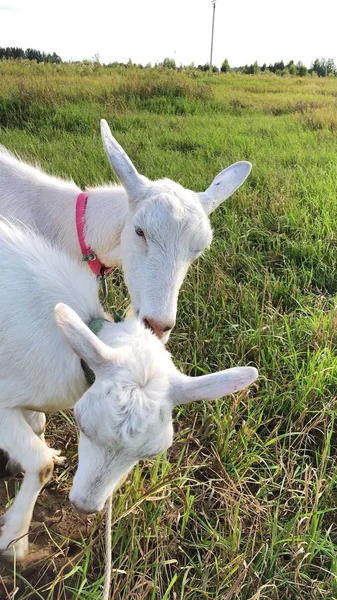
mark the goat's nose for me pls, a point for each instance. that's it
(83, 509)
(157, 327)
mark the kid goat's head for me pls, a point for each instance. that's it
(127, 413)
(167, 228)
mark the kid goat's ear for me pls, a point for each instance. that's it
(224, 185)
(83, 341)
(209, 387)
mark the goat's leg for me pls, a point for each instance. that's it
(37, 421)
(20, 441)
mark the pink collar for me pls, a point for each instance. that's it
(88, 255)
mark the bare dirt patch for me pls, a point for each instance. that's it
(57, 531)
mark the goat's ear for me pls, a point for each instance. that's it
(224, 185)
(83, 341)
(209, 387)
(132, 181)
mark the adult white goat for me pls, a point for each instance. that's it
(154, 229)
(126, 415)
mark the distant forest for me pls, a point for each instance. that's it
(321, 67)
(29, 54)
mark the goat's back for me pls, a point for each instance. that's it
(35, 198)
(35, 358)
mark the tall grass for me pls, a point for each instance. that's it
(244, 505)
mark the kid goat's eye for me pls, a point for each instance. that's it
(140, 232)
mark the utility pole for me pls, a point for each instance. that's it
(213, 18)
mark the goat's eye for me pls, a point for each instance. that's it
(140, 232)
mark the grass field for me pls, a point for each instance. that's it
(244, 504)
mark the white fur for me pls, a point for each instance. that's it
(124, 416)
(174, 221)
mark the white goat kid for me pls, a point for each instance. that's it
(126, 415)
(154, 229)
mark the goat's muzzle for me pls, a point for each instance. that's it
(158, 328)
(85, 510)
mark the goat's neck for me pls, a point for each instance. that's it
(105, 217)
(48, 205)
(54, 215)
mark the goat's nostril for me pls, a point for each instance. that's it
(158, 328)
(83, 510)
(147, 324)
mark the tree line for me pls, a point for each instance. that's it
(29, 54)
(321, 66)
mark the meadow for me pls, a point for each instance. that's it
(243, 506)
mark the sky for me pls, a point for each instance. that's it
(150, 30)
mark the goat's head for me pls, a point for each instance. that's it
(127, 413)
(167, 228)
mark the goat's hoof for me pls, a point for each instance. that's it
(57, 458)
(13, 467)
(14, 551)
